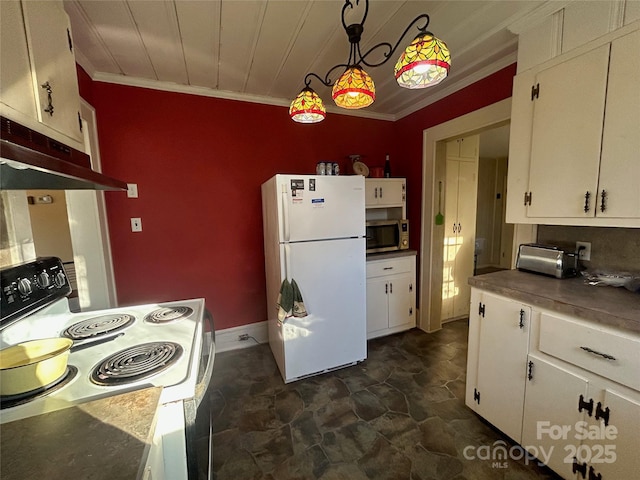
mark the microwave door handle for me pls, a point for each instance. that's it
(285, 214)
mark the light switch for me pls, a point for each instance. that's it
(132, 190)
(136, 224)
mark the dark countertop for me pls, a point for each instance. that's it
(614, 306)
(394, 254)
(104, 439)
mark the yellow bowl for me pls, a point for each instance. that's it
(32, 365)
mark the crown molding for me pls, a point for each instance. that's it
(223, 94)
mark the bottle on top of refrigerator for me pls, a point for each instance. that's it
(387, 167)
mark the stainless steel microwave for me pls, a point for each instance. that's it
(387, 235)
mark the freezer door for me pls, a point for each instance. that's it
(321, 207)
(331, 277)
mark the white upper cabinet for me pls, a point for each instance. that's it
(618, 192)
(16, 89)
(575, 137)
(39, 77)
(567, 130)
(385, 192)
(464, 148)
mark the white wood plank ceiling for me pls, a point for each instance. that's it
(261, 50)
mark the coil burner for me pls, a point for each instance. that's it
(135, 363)
(168, 314)
(96, 326)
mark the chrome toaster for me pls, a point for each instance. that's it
(547, 260)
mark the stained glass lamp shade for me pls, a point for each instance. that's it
(424, 63)
(354, 89)
(307, 107)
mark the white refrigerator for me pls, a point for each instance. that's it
(314, 233)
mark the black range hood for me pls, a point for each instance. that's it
(32, 161)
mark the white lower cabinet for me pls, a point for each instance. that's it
(612, 450)
(579, 425)
(551, 413)
(569, 396)
(496, 360)
(391, 297)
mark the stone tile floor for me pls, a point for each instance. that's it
(399, 415)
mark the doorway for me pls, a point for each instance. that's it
(477, 239)
(432, 235)
(494, 237)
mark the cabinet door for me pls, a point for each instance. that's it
(53, 61)
(612, 453)
(551, 413)
(466, 235)
(451, 245)
(16, 89)
(566, 136)
(502, 362)
(472, 351)
(377, 304)
(466, 147)
(385, 192)
(400, 304)
(371, 192)
(620, 162)
(391, 192)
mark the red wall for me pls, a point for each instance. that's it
(199, 163)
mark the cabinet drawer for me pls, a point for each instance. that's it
(378, 268)
(605, 352)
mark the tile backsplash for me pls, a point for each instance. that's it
(611, 248)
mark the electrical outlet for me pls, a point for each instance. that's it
(244, 336)
(584, 253)
(136, 224)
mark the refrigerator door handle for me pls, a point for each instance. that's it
(287, 259)
(285, 213)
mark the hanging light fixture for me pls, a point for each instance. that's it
(425, 62)
(307, 107)
(354, 89)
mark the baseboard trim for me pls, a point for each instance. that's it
(229, 338)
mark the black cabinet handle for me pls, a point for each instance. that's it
(578, 467)
(595, 352)
(588, 406)
(602, 414)
(587, 196)
(521, 324)
(530, 372)
(603, 200)
(592, 474)
(47, 87)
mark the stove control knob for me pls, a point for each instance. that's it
(60, 280)
(43, 279)
(24, 286)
